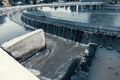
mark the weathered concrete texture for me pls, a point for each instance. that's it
(10, 69)
(56, 63)
(26, 45)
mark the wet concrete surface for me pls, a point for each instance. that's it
(57, 61)
(56, 58)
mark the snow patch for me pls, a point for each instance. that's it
(44, 78)
(35, 72)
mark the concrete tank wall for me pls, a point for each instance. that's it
(87, 35)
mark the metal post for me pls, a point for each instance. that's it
(81, 4)
(99, 5)
(90, 4)
(77, 8)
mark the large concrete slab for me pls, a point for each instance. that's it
(10, 69)
(25, 45)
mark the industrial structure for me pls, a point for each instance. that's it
(17, 2)
(68, 39)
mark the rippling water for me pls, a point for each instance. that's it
(9, 29)
(83, 14)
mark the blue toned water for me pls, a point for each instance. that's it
(9, 29)
(83, 15)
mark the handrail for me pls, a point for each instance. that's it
(52, 4)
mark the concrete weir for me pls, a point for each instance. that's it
(26, 45)
(78, 33)
(10, 69)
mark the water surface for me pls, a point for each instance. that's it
(9, 29)
(83, 14)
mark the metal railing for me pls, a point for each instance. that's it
(51, 5)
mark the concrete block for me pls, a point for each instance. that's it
(10, 69)
(26, 45)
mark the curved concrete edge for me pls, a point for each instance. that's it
(10, 69)
(25, 45)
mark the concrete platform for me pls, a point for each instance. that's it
(10, 69)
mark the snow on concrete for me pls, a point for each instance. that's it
(35, 72)
(44, 78)
(106, 65)
(25, 44)
(10, 69)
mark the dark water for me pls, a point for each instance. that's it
(9, 29)
(84, 14)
